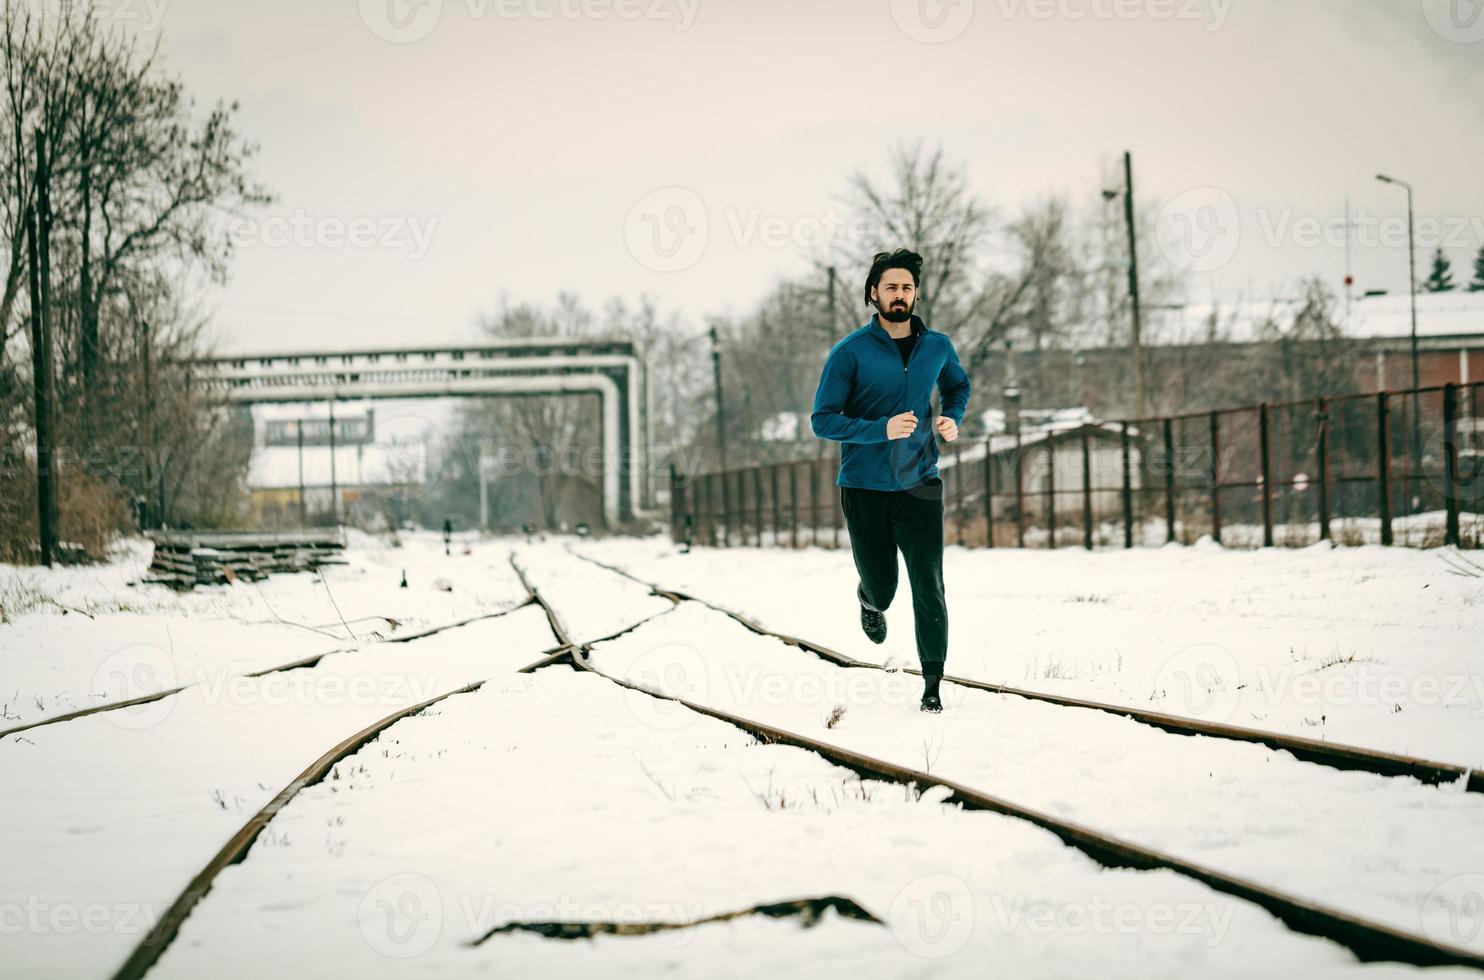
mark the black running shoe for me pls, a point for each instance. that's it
(873, 623)
(932, 703)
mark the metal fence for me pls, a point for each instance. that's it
(1399, 467)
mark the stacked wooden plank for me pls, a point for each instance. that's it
(186, 559)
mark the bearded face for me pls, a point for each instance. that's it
(896, 295)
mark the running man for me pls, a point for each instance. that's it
(876, 385)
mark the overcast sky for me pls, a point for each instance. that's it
(696, 150)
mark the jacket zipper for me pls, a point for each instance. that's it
(911, 355)
(909, 360)
(915, 347)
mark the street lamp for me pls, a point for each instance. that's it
(1412, 267)
(1412, 287)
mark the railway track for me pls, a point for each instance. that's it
(1331, 754)
(155, 943)
(165, 930)
(149, 951)
(1367, 939)
(310, 661)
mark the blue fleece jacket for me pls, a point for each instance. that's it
(864, 384)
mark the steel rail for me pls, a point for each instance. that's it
(159, 938)
(309, 661)
(1332, 754)
(1368, 940)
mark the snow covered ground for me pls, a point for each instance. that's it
(119, 810)
(498, 809)
(558, 796)
(1241, 808)
(74, 638)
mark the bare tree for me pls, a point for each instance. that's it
(927, 206)
(138, 186)
(1310, 356)
(1037, 294)
(981, 283)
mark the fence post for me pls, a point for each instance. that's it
(988, 467)
(1086, 491)
(777, 519)
(835, 510)
(735, 510)
(813, 501)
(698, 515)
(1019, 491)
(715, 484)
(1050, 489)
(742, 513)
(793, 505)
(688, 511)
(1216, 477)
(674, 507)
(1169, 426)
(703, 508)
(714, 507)
(1450, 460)
(958, 493)
(1383, 465)
(757, 503)
(726, 509)
(719, 495)
(1267, 476)
(1322, 451)
(1128, 494)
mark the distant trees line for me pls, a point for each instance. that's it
(1021, 292)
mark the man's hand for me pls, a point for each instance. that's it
(901, 426)
(947, 428)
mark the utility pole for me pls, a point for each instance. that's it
(153, 478)
(834, 318)
(721, 427)
(1349, 274)
(334, 484)
(38, 231)
(1141, 395)
(303, 503)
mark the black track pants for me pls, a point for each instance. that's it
(881, 522)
